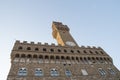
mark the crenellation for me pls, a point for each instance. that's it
(25, 42)
(52, 44)
(45, 44)
(88, 47)
(32, 42)
(17, 41)
(39, 43)
(94, 47)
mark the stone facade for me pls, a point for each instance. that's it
(36, 61)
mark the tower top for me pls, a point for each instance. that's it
(60, 26)
(62, 35)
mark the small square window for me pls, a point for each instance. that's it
(84, 72)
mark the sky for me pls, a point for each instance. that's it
(91, 23)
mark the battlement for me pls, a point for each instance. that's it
(60, 26)
(52, 44)
(33, 43)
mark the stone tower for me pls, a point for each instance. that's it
(65, 61)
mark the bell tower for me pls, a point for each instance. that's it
(62, 35)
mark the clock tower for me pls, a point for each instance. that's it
(62, 35)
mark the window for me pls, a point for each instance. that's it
(102, 72)
(36, 49)
(22, 72)
(84, 51)
(52, 50)
(68, 72)
(44, 49)
(65, 50)
(59, 50)
(28, 48)
(38, 72)
(20, 48)
(111, 71)
(72, 51)
(54, 72)
(84, 72)
(96, 52)
(78, 51)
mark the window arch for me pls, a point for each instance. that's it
(41, 56)
(65, 50)
(20, 48)
(67, 58)
(91, 52)
(52, 50)
(57, 57)
(36, 49)
(44, 49)
(77, 59)
(73, 58)
(35, 56)
(40, 59)
(59, 50)
(78, 51)
(23, 56)
(85, 51)
(17, 55)
(72, 51)
(29, 56)
(62, 57)
(96, 52)
(28, 48)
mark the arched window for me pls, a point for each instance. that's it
(52, 59)
(40, 59)
(54, 72)
(65, 50)
(23, 56)
(72, 51)
(35, 56)
(91, 52)
(39, 72)
(52, 50)
(22, 72)
(44, 49)
(46, 59)
(20, 48)
(84, 51)
(57, 59)
(68, 73)
(36, 49)
(17, 55)
(96, 52)
(29, 56)
(78, 51)
(77, 59)
(28, 48)
(101, 52)
(59, 50)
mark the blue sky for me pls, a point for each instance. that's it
(92, 22)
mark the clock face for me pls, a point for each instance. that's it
(70, 43)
